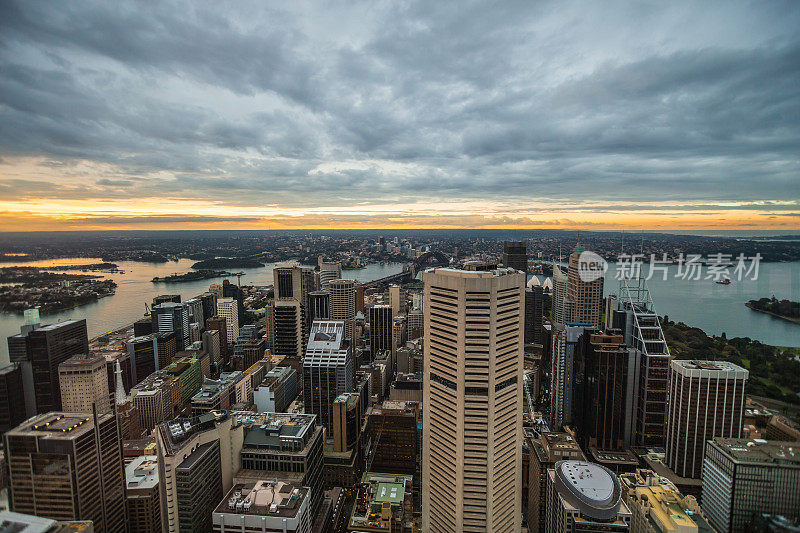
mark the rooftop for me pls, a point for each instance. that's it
(760, 451)
(264, 498)
(142, 473)
(57, 425)
(695, 368)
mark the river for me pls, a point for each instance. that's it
(135, 288)
(703, 304)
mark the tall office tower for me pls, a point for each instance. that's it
(12, 397)
(166, 348)
(68, 466)
(472, 390)
(396, 300)
(84, 382)
(515, 255)
(40, 351)
(269, 325)
(584, 496)
(209, 302)
(212, 345)
(566, 346)
(328, 271)
(347, 418)
(228, 308)
(194, 306)
(319, 305)
(657, 506)
(743, 478)
(294, 281)
(290, 339)
(171, 317)
(142, 327)
(559, 312)
(143, 501)
(534, 309)
(380, 328)
(197, 459)
(706, 401)
(633, 312)
(143, 354)
(327, 370)
(584, 299)
(393, 430)
(603, 392)
(546, 450)
(343, 304)
(220, 324)
(153, 397)
(295, 449)
(360, 290)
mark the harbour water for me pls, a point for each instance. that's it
(700, 303)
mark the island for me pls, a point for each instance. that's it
(783, 309)
(227, 262)
(194, 276)
(51, 292)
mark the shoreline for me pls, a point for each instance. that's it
(786, 318)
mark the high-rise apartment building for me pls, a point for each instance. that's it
(343, 304)
(584, 299)
(706, 401)
(228, 308)
(290, 338)
(472, 430)
(39, 350)
(584, 496)
(68, 466)
(84, 382)
(743, 478)
(515, 255)
(380, 328)
(327, 369)
(197, 459)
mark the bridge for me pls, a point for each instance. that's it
(426, 260)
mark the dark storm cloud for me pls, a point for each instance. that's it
(310, 105)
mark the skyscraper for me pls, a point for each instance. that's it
(328, 271)
(566, 346)
(706, 401)
(534, 309)
(12, 397)
(515, 255)
(289, 335)
(169, 317)
(380, 328)
(343, 304)
(559, 312)
(84, 382)
(68, 466)
(40, 351)
(319, 305)
(294, 281)
(584, 299)
(327, 370)
(743, 478)
(603, 395)
(228, 308)
(472, 430)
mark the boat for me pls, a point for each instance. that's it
(726, 281)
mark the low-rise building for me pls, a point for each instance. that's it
(383, 504)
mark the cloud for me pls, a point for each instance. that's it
(316, 105)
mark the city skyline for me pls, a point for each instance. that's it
(195, 116)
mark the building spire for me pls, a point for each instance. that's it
(119, 392)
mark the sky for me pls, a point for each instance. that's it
(270, 115)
